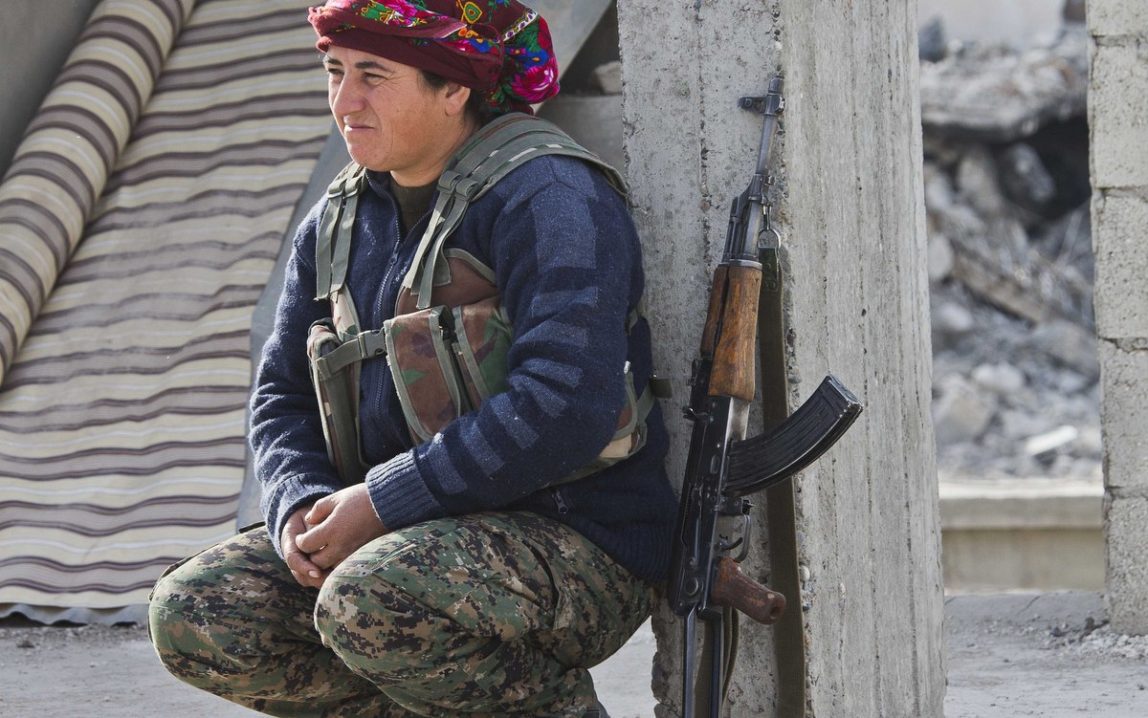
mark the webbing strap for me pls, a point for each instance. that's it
(780, 500)
(362, 346)
(453, 184)
(431, 252)
(332, 246)
(496, 150)
(323, 244)
(341, 258)
(646, 402)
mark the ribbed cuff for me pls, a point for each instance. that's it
(399, 494)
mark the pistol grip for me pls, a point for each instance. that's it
(734, 589)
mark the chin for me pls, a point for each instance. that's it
(365, 159)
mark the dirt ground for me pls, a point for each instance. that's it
(1008, 656)
(1050, 655)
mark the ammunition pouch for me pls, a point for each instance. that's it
(445, 362)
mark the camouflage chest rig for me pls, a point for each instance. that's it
(446, 346)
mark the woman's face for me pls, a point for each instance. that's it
(390, 118)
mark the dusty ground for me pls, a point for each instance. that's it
(1008, 656)
(112, 672)
(1049, 655)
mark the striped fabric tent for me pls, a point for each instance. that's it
(176, 144)
(142, 222)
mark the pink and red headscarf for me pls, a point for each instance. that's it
(498, 47)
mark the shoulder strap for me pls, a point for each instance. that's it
(331, 254)
(333, 244)
(493, 152)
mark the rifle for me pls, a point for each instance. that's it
(723, 467)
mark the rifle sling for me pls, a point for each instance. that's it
(781, 526)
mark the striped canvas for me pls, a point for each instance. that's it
(122, 417)
(70, 148)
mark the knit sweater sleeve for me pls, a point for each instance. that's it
(566, 258)
(290, 455)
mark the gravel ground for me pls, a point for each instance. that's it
(1050, 655)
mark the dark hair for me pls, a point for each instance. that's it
(476, 105)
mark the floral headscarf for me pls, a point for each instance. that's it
(499, 47)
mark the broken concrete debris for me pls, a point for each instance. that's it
(1009, 257)
(996, 94)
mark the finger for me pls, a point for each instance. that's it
(309, 582)
(312, 540)
(319, 511)
(300, 563)
(329, 557)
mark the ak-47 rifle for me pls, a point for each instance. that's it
(723, 467)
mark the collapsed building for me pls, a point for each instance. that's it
(1010, 263)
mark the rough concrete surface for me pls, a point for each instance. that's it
(848, 202)
(1117, 17)
(1119, 100)
(1127, 524)
(1014, 655)
(1125, 382)
(1121, 255)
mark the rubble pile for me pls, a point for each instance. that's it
(1015, 385)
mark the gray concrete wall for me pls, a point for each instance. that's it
(1118, 104)
(849, 202)
(35, 39)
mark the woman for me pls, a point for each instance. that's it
(483, 568)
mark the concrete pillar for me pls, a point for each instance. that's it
(1117, 107)
(848, 201)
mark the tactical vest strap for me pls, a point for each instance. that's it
(495, 151)
(333, 243)
(360, 347)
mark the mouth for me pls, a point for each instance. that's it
(350, 126)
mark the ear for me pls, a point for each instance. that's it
(455, 96)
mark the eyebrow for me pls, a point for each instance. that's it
(361, 65)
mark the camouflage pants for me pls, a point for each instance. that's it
(493, 614)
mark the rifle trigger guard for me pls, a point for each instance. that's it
(741, 542)
(746, 530)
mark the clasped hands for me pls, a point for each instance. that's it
(318, 537)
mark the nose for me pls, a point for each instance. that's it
(344, 98)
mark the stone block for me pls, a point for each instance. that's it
(1124, 416)
(1058, 559)
(1126, 527)
(1117, 17)
(1118, 114)
(1121, 294)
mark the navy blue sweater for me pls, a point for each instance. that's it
(568, 266)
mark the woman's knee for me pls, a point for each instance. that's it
(180, 619)
(209, 613)
(372, 623)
